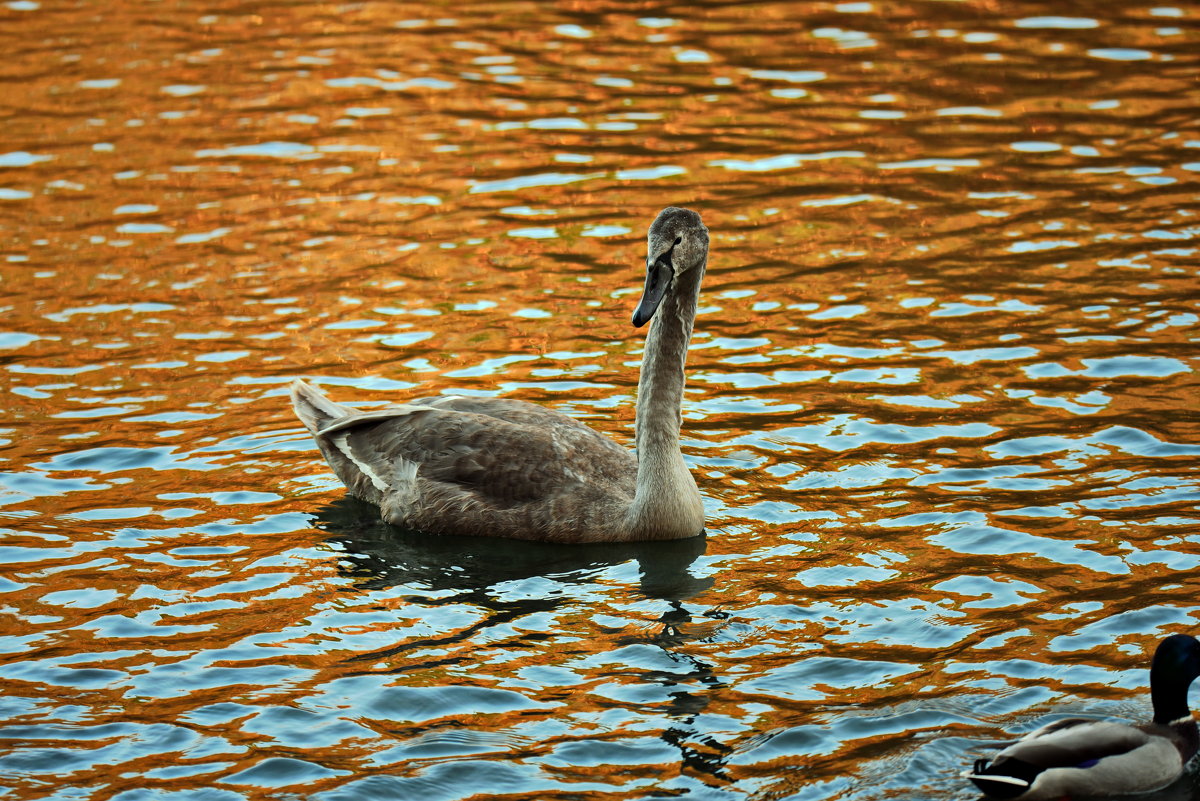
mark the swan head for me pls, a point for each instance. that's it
(677, 243)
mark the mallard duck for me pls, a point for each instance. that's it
(1082, 757)
(505, 468)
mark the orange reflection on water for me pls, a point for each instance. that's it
(939, 403)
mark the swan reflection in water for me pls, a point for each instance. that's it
(481, 572)
(381, 555)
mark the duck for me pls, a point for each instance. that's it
(497, 467)
(1086, 757)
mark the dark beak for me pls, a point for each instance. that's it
(658, 279)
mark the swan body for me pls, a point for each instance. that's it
(1085, 758)
(506, 468)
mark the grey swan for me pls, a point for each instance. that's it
(1084, 757)
(505, 468)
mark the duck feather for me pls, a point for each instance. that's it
(1086, 757)
(1081, 757)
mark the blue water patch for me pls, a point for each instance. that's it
(999, 354)
(1007, 477)
(991, 592)
(257, 583)
(144, 228)
(388, 84)
(235, 498)
(1144, 366)
(842, 433)
(21, 158)
(302, 728)
(812, 678)
(994, 540)
(1163, 619)
(39, 485)
(195, 674)
(457, 779)
(277, 149)
(1140, 443)
(874, 474)
(1121, 54)
(11, 340)
(282, 772)
(525, 181)
(116, 459)
(81, 598)
(1057, 23)
(50, 673)
(844, 575)
(649, 173)
(784, 161)
(141, 626)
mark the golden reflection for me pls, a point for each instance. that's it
(940, 396)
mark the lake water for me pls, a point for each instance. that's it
(942, 405)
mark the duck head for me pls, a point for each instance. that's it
(1175, 666)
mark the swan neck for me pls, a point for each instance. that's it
(660, 386)
(666, 492)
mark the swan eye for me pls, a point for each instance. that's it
(678, 239)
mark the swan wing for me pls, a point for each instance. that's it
(502, 453)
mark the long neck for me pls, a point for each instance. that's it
(660, 387)
(667, 502)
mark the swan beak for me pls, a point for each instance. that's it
(658, 278)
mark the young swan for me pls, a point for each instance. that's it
(1083, 758)
(505, 468)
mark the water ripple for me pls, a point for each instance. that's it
(938, 396)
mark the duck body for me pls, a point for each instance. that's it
(506, 468)
(1089, 758)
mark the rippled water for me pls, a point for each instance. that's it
(942, 402)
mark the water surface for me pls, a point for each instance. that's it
(942, 400)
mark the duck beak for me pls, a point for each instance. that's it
(658, 279)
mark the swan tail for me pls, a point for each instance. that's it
(314, 409)
(369, 468)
